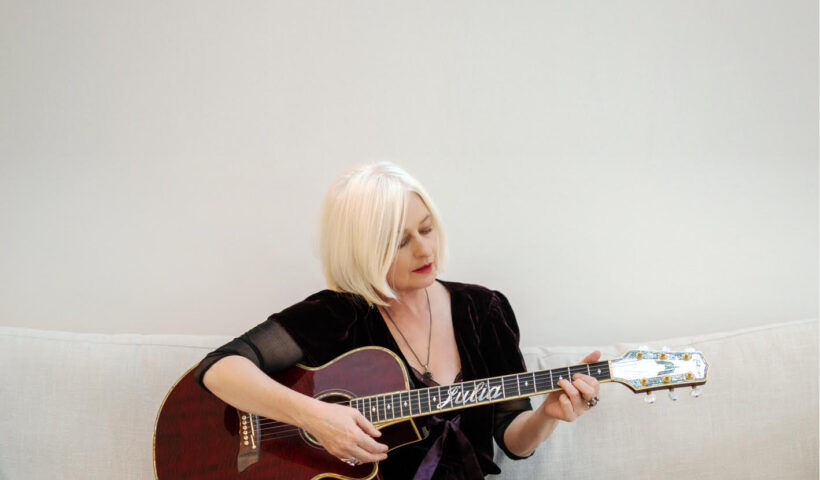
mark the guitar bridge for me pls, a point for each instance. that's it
(248, 440)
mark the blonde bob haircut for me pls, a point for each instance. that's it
(363, 218)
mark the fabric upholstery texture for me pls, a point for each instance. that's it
(83, 406)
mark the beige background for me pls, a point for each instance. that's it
(621, 170)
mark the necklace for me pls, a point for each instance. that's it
(427, 373)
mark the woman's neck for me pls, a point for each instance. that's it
(410, 304)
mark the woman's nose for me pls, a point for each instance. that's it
(424, 247)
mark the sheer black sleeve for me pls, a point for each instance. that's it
(268, 346)
(312, 331)
(505, 413)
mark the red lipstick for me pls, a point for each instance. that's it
(425, 269)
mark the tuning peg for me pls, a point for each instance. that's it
(673, 394)
(696, 391)
(649, 398)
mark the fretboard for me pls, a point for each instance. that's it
(426, 401)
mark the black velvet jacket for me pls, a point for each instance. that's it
(328, 324)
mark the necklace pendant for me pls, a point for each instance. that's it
(428, 375)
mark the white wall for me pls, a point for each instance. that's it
(621, 170)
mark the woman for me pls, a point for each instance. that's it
(382, 246)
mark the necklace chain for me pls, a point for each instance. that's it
(427, 373)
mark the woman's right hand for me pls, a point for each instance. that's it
(345, 433)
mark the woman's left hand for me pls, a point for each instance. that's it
(575, 397)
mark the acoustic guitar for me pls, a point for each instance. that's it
(198, 436)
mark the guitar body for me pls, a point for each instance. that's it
(198, 436)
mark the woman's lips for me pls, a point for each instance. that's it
(425, 269)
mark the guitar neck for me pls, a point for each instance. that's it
(425, 401)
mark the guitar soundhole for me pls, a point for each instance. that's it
(331, 397)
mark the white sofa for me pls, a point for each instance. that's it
(83, 406)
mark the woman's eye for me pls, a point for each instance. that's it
(426, 230)
(404, 242)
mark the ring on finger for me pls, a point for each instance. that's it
(592, 402)
(352, 461)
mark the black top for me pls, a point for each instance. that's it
(328, 324)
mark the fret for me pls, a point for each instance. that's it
(528, 385)
(460, 399)
(404, 404)
(435, 398)
(601, 371)
(510, 385)
(542, 381)
(588, 371)
(415, 403)
(391, 406)
(497, 383)
(552, 382)
(468, 396)
(424, 401)
(581, 368)
(569, 372)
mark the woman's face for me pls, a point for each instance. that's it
(416, 260)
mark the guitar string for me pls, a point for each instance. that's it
(283, 432)
(275, 429)
(513, 380)
(539, 376)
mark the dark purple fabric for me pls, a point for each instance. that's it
(431, 463)
(328, 324)
(451, 435)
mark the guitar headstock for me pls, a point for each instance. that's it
(645, 370)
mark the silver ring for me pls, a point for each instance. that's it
(592, 402)
(352, 461)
